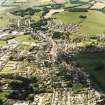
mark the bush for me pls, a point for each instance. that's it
(77, 87)
(83, 16)
(78, 9)
(57, 35)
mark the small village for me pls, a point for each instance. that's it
(38, 65)
(47, 50)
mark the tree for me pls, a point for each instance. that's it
(83, 16)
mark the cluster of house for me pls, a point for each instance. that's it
(5, 53)
(60, 27)
(88, 97)
(46, 51)
(25, 25)
(14, 29)
(4, 57)
(6, 33)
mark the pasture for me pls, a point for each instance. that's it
(94, 64)
(94, 23)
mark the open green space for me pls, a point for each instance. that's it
(5, 18)
(3, 22)
(94, 23)
(25, 38)
(3, 96)
(7, 69)
(37, 16)
(94, 64)
(2, 42)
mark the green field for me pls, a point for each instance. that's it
(94, 23)
(5, 17)
(2, 42)
(3, 96)
(94, 64)
(37, 16)
(4, 22)
(25, 38)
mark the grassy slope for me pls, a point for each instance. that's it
(24, 38)
(3, 96)
(90, 63)
(37, 16)
(4, 21)
(2, 42)
(93, 24)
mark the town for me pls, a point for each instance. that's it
(39, 61)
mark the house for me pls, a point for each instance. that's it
(12, 41)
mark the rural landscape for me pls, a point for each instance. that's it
(52, 52)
